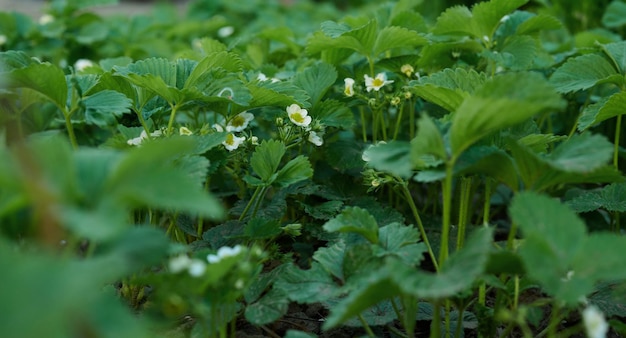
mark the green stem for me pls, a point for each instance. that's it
(254, 196)
(516, 292)
(170, 124)
(435, 325)
(367, 328)
(418, 219)
(487, 202)
(363, 124)
(511, 239)
(459, 322)
(258, 200)
(466, 188)
(447, 207)
(410, 314)
(70, 128)
(398, 120)
(447, 318)
(482, 293)
(411, 119)
(618, 129)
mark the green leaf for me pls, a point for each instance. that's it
(617, 52)
(584, 72)
(44, 78)
(458, 273)
(554, 235)
(296, 170)
(360, 40)
(271, 307)
(258, 228)
(392, 157)
(487, 15)
(610, 198)
(357, 220)
(331, 258)
(523, 50)
(428, 141)
(280, 94)
(316, 80)
(308, 286)
(102, 107)
(573, 155)
(266, 158)
(614, 15)
(401, 241)
(538, 23)
(146, 176)
(448, 88)
(396, 37)
(501, 102)
(333, 113)
(456, 20)
(374, 289)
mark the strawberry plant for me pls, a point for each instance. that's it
(302, 169)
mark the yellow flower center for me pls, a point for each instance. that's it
(230, 139)
(297, 117)
(378, 82)
(238, 121)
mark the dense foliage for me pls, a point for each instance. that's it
(291, 168)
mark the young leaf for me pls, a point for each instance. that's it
(316, 80)
(584, 72)
(393, 157)
(573, 155)
(610, 198)
(396, 37)
(401, 241)
(44, 78)
(296, 170)
(331, 258)
(428, 141)
(448, 88)
(501, 102)
(310, 286)
(614, 15)
(617, 52)
(102, 107)
(266, 159)
(357, 220)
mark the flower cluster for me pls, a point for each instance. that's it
(196, 267)
(236, 124)
(300, 117)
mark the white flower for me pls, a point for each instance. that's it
(196, 267)
(82, 64)
(45, 19)
(3, 39)
(225, 31)
(254, 140)
(298, 115)
(349, 86)
(262, 78)
(239, 122)
(179, 263)
(595, 324)
(143, 136)
(224, 252)
(233, 142)
(218, 127)
(407, 70)
(315, 139)
(505, 18)
(185, 131)
(376, 83)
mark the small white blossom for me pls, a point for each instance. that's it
(3, 39)
(137, 141)
(486, 38)
(505, 18)
(298, 115)
(224, 252)
(179, 263)
(254, 140)
(349, 87)
(595, 323)
(239, 122)
(262, 78)
(46, 19)
(196, 268)
(315, 139)
(185, 131)
(239, 283)
(225, 31)
(233, 142)
(377, 82)
(407, 70)
(218, 127)
(82, 64)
